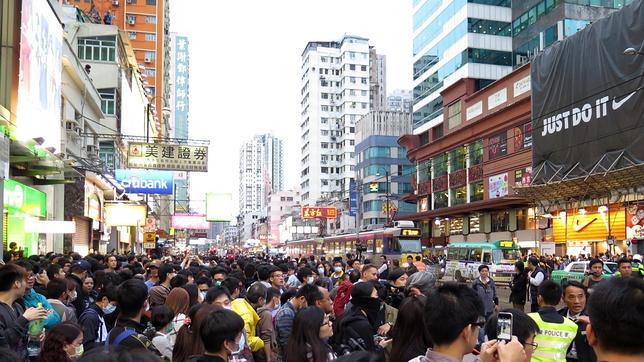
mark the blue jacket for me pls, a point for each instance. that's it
(487, 293)
(284, 324)
(31, 300)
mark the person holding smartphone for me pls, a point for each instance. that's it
(514, 323)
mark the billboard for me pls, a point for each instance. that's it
(353, 198)
(219, 206)
(588, 97)
(166, 156)
(190, 222)
(498, 186)
(40, 73)
(145, 181)
(314, 212)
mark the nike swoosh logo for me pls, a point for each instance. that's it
(617, 104)
(581, 227)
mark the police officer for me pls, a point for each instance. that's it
(557, 332)
(638, 267)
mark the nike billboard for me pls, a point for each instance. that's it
(588, 97)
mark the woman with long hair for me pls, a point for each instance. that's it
(306, 343)
(64, 343)
(179, 302)
(188, 342)
(193, 293)
(410, 337)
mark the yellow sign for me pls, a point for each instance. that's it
(373, 187)
(590, 224)
(410, 232)
(506, 243)
(388, 207)
(149, 237)
(164, 156)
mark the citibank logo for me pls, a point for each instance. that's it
(145, 181)
(139, 183)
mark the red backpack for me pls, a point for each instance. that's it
(342, 297)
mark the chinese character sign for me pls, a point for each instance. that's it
(181, 88)
(314, 212)
(166, 156)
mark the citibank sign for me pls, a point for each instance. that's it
(136, 181)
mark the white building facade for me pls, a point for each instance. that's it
(456, 39)
(280, 204)
(335, 93)
(261, 172)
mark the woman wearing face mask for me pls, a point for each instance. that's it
(307, 342)
(161, 320)
(64, 343)
(359, 324)
(323, 277)
(222, 334)
(179, 302)
(188, 342)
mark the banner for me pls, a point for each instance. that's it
(353, 198)
(190, 222)
(498, 186)
(145, 181)
(165, 156)
(588, 96)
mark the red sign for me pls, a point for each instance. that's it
(314, 212)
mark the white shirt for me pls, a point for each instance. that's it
(537, 280)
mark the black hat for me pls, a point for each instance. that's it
(395, 274)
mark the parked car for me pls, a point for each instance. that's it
(577, 271)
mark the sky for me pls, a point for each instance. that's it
(245, 59)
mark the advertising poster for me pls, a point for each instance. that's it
(40, 73)
(498, 186)
(635, 221)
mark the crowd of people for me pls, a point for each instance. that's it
(255, 307)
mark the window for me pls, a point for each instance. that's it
(150, 72)
(440, 199)
(500, 221)
(439, 164)
(497, 145)
(578, 268)
(150, 19)
(130, 18)
(363, 68)
(476, 152)
(424, 170)
(475, 224)
(458, 195)
(373, 205)
(151, 37)
(101, 48)
(476, 191)
(150, 2)
(108, 101)
(151, 55)
(131, 35)
(437, 132)
(456, 226)
(454, 115)
(352, 67)
(325, 132)
(457, 159)
(377, 151)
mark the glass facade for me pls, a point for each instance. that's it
(101, 48)
(571, 26)
(435, 28)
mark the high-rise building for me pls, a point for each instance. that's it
(383, 168)
(400, 101)
(179, 69)
(335, 93)
(147, 24)
(536, 24)
(377, 80)
(455, 39)
(261, 172)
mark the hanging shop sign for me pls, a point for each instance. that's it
(24, 199)
(635, 221)
(498, 186)
(523, 177)
(125, 214)
(145, 181)
(166, 156)
(50, 226)
(579, 118)
(219, 206)
(312, 212)
(353, 198)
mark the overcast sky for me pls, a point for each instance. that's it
(245, 59)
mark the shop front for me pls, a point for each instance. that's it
(591, 230)
(22, 204)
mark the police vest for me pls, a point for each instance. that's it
(553, 340)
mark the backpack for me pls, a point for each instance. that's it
(92, 311)
(119, 339)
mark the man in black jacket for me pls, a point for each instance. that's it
(574, 295)
(77, 273)
(14, 319)
(92, 320)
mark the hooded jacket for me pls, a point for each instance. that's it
(31, 300)
(250, 317)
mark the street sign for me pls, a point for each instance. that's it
(149, 245)
(149, 238)
(313, 212)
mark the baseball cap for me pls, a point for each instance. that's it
(83, 264)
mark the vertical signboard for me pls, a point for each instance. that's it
(353, 198)
(40, 73)
(181, 86)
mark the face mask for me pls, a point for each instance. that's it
(227, 307)
(72, 296)
(338, 269)
(310, 280)
(79, 351)
(109, 309)
(321, 271)
(203, 295)
(242, 341)
(218, 283)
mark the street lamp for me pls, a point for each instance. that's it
(632, 51)
(387, 192)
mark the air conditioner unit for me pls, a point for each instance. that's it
(115, 2)
(71, 125)
(147, 60)
(91, 150)
(131, 21)
(130, 1)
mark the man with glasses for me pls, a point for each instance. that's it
(454, 315)
(276, 278)
(523, 327)
(32, 299)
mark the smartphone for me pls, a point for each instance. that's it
(504, 327)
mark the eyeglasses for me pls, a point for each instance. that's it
(534, 345)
